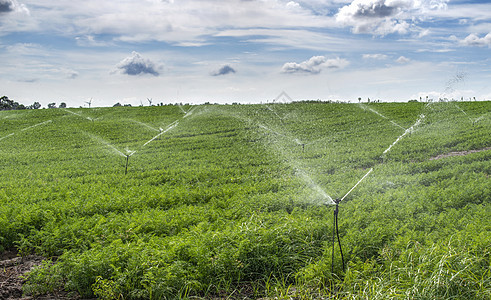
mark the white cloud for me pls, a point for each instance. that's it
(290, 38)
(292, 5)
(403, 60)
(185, 23)
(375, 56)
(137, 65)
(474, 40)
(224, 70)
(7, 6)
(382, 17)
(314, 65)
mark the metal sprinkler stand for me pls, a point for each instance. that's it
(126, 168)
(335, 232)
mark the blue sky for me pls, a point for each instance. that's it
(243, 50)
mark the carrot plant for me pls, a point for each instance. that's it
(236, 200)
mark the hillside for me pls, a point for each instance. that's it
(237, 201)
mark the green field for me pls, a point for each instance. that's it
(234, 201)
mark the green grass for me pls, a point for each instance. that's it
(229, 204)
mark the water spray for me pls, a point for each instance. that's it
(1, 138)
(77, 114)
(189, 112)
(381, 115)
(300, 143)
(39, 124)
(144, 125)
(161, 131)
(409, 130)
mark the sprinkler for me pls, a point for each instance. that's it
(335, 232)
(335, 229)
(130, 153)
(126, 168)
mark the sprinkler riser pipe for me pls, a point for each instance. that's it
(126, 168)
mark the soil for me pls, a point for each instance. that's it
(458, 153)
(12, 268)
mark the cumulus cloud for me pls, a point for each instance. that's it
(7, 6)
(403, 60)
(474, 40)
(314, 65)
(382, 17)
(223, 71)
(137, 65)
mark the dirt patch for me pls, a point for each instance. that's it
(12, 268)
(458, 153)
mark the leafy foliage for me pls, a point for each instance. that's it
(229, 200)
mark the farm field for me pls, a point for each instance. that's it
(237, 201)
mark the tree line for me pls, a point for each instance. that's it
(8, 104)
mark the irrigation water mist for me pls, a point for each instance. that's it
(454, 81)
(35, 125)
(479, 119)
(473, 121)
(271, 130)
(172, 125)
(354, 187)
(11, 134)
(274, 111)
(189, 112)
(182, 109)
(77, 114)
(298, 170)
(409, 130)
(27, 128)
(364, 107)
(307, 179)
(106, 143)
(145, 125)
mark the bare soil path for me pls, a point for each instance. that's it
(12, 268)
(458, 153)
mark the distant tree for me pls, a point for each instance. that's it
(117, 104)
(35, 105)
(52, 105)
(62, 105)
(7, 104)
